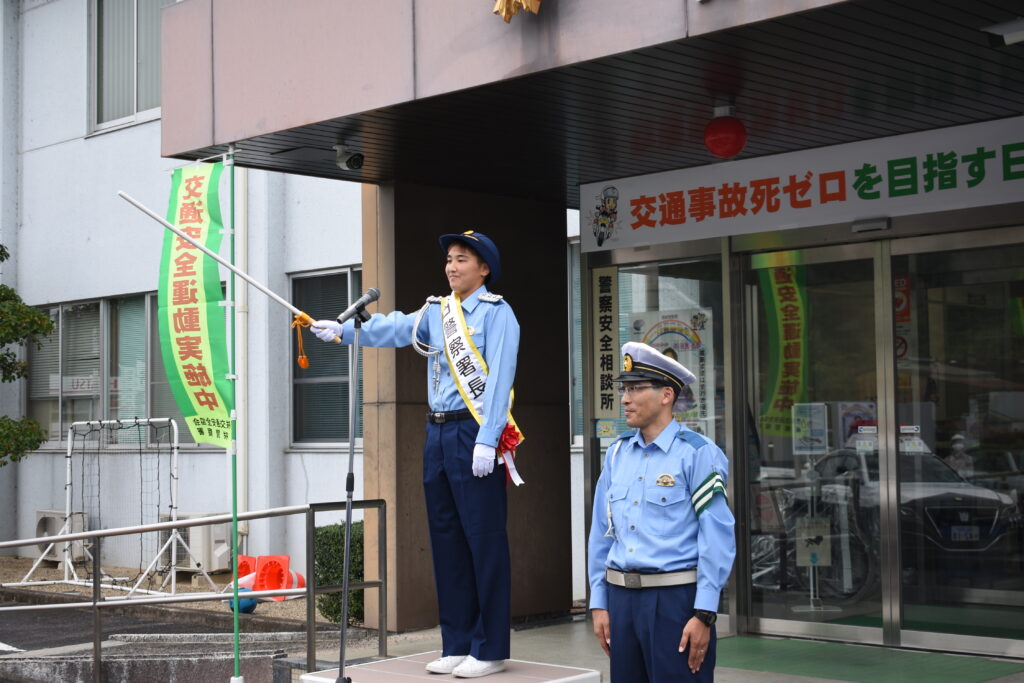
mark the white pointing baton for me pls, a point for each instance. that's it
(300, 316)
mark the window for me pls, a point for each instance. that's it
(161, 399)
(101, 362)
(676, 307)
(126, 37)
(320, 393)
(64, 379)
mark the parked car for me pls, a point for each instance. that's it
(1001, 470)
(949, 527)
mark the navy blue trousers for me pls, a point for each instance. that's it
(647, 625)
(466, 516)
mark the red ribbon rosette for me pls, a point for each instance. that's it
(510, 439)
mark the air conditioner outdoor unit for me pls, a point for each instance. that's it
(210, 545)
(50, 523)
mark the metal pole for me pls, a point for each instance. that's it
(139, 528)
(232, 451)
(310, 589)
(349, 487)
(224, 262)
(97, 620)
(174, 506)
(67, 555)
(382, 593)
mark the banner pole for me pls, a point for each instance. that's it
(233, 449)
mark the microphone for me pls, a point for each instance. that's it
(358, 307)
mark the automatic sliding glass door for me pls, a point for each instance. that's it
(812, 439)
(885, 441)
(959, 349)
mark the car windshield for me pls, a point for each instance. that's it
(992, 461)
(926, 468)
(918, 467)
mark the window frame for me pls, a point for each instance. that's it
(106, 353)
(296, 444)
(138, 116)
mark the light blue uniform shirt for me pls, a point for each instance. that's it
(496, 335)
(655, 528)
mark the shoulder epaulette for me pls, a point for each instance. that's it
(628, 434)
(693, 438)
(433, 299)
(490, 297)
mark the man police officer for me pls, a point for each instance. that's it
(472, 337)
(661, 543)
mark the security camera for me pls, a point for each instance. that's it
(1007, 33)
(346, 160)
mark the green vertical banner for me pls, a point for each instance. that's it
(1017, 315)
(785, 305)
(192, 329)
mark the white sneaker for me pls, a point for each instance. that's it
(475, 668)
(445, 665)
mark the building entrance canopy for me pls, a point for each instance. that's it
(585, 91)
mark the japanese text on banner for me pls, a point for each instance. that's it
(191, 318)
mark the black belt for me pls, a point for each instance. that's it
(441, 417)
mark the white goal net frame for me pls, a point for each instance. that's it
(83, 467)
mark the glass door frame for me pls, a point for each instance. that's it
(716, 248)
(881, 252)
(746, 392)
(930, 640)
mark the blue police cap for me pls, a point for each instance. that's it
(482, 245)
(641, 361)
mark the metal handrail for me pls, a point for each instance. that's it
(310, 591)
(178, 524)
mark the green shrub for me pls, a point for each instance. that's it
(330, 563)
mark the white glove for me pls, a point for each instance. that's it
(326, 330)
(483, 460)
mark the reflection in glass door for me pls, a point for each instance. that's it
(959, 357)
(812, 437)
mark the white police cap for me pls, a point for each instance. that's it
(641, 361)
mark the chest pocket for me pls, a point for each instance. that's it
(666, 509)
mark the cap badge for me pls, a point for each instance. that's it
(666, 480)
(627, 362)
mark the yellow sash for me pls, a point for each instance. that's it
(469, 370)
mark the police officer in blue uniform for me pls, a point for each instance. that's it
(662, 542)
(465, 492)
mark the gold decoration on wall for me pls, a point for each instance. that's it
(509, 8)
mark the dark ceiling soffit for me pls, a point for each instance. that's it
(848, 72)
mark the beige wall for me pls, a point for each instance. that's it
(403, 259)
(237, 69)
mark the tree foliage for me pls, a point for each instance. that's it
(19, 324)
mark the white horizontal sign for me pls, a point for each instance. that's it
(979, 164)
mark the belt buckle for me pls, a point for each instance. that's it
(439, 418)
(632, 580)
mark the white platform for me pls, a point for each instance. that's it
(411, 668)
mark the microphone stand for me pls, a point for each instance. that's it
(360, 317)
